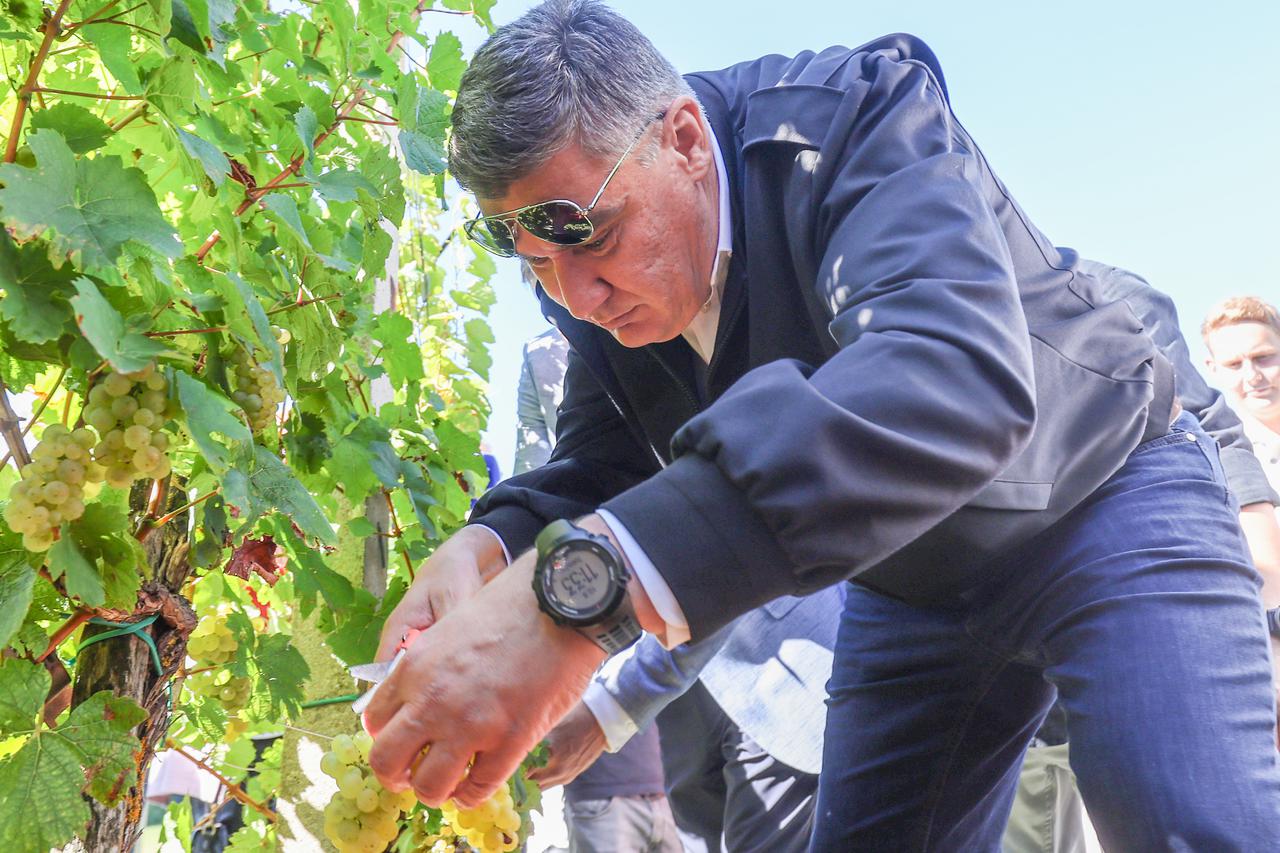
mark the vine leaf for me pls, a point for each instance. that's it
(82, 130)
(99, 558)
(17, 581)
(285, 209)
(40, 803)
(91, 206)
(34, 300)
(266, 484)
(281, 671)
(114, 44)
(105, 329)
(214, 162)
(424, 116)
(400, 353)
(257, 556)
(209, 415)
(445, 66)
(23, 686)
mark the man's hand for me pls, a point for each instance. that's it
(480, 689)
(572, 747)
(454, 573)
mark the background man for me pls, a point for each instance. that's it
(956, 418)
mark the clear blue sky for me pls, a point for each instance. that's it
(1143, 134)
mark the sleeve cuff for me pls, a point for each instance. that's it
(717, 556)
(618, 728)
(505, 553)
(655, 587)
(1245, 477)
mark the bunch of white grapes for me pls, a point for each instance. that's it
(491, 827)
(363, 817)
(51, 490)
(212, 643)
(256, 391)
(128, 410)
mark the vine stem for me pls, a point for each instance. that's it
(93, 16)
(232, 788)
(168, 517)
(97, 96)
(51, 30)
(177, 332)
(302, 302)
(35, 416)
(10, 430)
(68, 628)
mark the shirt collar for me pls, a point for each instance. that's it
(701, 331)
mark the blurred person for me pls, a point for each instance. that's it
(882, 372)
(617, 803)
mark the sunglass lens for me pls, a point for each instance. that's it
(559, 222)
(495, 235)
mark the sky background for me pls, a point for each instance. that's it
(1141, 134)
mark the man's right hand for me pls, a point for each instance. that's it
(454, 573)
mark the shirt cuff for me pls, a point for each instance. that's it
(505, 552)
(618, 728)
(654, 586)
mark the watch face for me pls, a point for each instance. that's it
(578, 580)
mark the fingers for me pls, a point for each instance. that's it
(397, 744)
(489, 770)
(438, 772)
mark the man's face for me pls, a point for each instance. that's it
(646, 270)
(1245, 362)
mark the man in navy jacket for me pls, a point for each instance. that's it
(902, 382)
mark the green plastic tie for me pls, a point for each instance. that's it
(316, 703)
(122, 629)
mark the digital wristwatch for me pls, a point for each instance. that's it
(581, 581)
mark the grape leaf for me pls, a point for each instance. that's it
(23, 686)
(308, 127)
(214, 162)
(34, 300)
(104, 328)
(114, 46)
(209, 415)
(356, 639)
(363, 458)
(40, 803)
(92, 206)
(83, 579)
(281, 670)
(82, 130)
(265, 484)
(424, 117)
(257, 556)
(445, 66)
(17, 580)
(285, 210)
(400, 353)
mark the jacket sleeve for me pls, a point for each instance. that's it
(1157, 312)
(533, 438)
(647, 678)
(797, 477)
(596, 456)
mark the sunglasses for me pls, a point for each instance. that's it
(560, 221)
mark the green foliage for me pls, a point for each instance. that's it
(198, 178)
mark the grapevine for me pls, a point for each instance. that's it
(362, 817)
(203, 413)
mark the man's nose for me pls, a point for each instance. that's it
(580, 289)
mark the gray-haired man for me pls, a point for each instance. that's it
(883, 373)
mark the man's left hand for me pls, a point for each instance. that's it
(476, 691)
(573, 746)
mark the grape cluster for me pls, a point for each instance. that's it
(231, 691)
(51, 490)
(257, 391)
(491, 827)
(212, 642)
(363, 817)
(128, 410)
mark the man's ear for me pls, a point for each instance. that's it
(685, 130)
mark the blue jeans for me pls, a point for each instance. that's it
(1141, 610)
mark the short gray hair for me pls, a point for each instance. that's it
(566, 71)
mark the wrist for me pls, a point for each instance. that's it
(641, 604)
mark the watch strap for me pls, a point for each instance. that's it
(617, 631)
(1273, 621)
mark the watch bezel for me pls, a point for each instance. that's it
(575, 617)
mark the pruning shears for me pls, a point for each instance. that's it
(377, 673)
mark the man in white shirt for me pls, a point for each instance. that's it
(1243, 337)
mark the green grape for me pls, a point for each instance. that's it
(362, 815)
(50, 491)
(128, 413)
(256, 390)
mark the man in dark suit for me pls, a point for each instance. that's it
(875, 368)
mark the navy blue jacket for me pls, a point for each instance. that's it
(908, 379)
